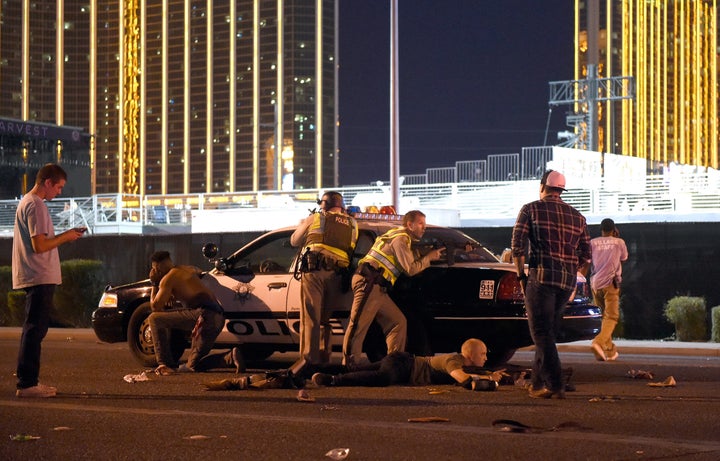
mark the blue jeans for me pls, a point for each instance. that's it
(38, 304)
(545, 305)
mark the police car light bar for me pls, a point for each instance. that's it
(377, 216)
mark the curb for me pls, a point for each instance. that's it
(699, 349)
(677, 348)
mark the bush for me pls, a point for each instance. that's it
(83, 282)
(5, 288)
(688, 314)
(15, 308)
(715, 314)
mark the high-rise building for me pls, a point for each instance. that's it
(181, 96)
(44, 107)
(670, 48)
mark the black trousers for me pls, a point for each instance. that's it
(394, 368)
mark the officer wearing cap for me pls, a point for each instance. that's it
(328, 240)
(559, 246)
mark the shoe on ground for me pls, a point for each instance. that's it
(164, 370)
(38, 391)
(598, 351)
(545, 393)
(322, 379)
(613, 356)
(184, 368)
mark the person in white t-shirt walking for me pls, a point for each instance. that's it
(608, 253)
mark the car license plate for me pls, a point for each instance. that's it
(487, 289)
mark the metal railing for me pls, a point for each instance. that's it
(688, 196)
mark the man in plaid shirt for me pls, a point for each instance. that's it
(559, 247)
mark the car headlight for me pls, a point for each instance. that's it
(109, 300)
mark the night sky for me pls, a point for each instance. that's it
(473, 81)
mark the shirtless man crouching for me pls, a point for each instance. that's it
(201, 313)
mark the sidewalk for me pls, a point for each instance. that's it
(706, 349)
(656, 347)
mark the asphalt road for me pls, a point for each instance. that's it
(97, 415)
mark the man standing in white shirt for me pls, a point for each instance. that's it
(608, 253)
(36, 269)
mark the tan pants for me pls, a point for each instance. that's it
(380, 306)
(321, 292)
(608, 298)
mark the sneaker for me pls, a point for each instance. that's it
(613, 356)
(322, 379)
(184, 368)
(38, 391)
(598, 351)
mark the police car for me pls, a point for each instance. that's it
(470, 293)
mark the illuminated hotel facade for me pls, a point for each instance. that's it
(670, 48)
(181, 96)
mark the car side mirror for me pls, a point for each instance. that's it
(210, 250)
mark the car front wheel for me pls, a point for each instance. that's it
(497, 358)
(140, 340)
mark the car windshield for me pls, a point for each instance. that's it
(460, 247)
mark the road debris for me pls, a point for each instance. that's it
(669, 382)
(23, 437)
(604, 398)
(428, 419)
(509, 425)
(304, 396)
(640, 374)
(136, 378)
(338, 453)
(437, 391)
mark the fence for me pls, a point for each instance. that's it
(687, 197)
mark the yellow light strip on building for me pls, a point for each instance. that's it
(25, 110)
(256, 96)
(129, 100)
(711, 90)
(142, 122)
(318, 94)
(280, 97)
(164, 103)
(186, 99)
(209, 118)
(232, 167)
(92, 96)
(59, 62)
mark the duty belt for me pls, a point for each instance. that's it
(316, 261)
(373, 275)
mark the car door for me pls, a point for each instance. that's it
(255, 290)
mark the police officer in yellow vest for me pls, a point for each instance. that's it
(328, 240)
(390, 256)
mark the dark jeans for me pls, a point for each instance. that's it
(38, 304)
(394, 368)
(545, 305)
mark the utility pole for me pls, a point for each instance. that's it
(590, 91)
(394, 106)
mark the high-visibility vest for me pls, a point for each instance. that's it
(378, 256)
(336, 233)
